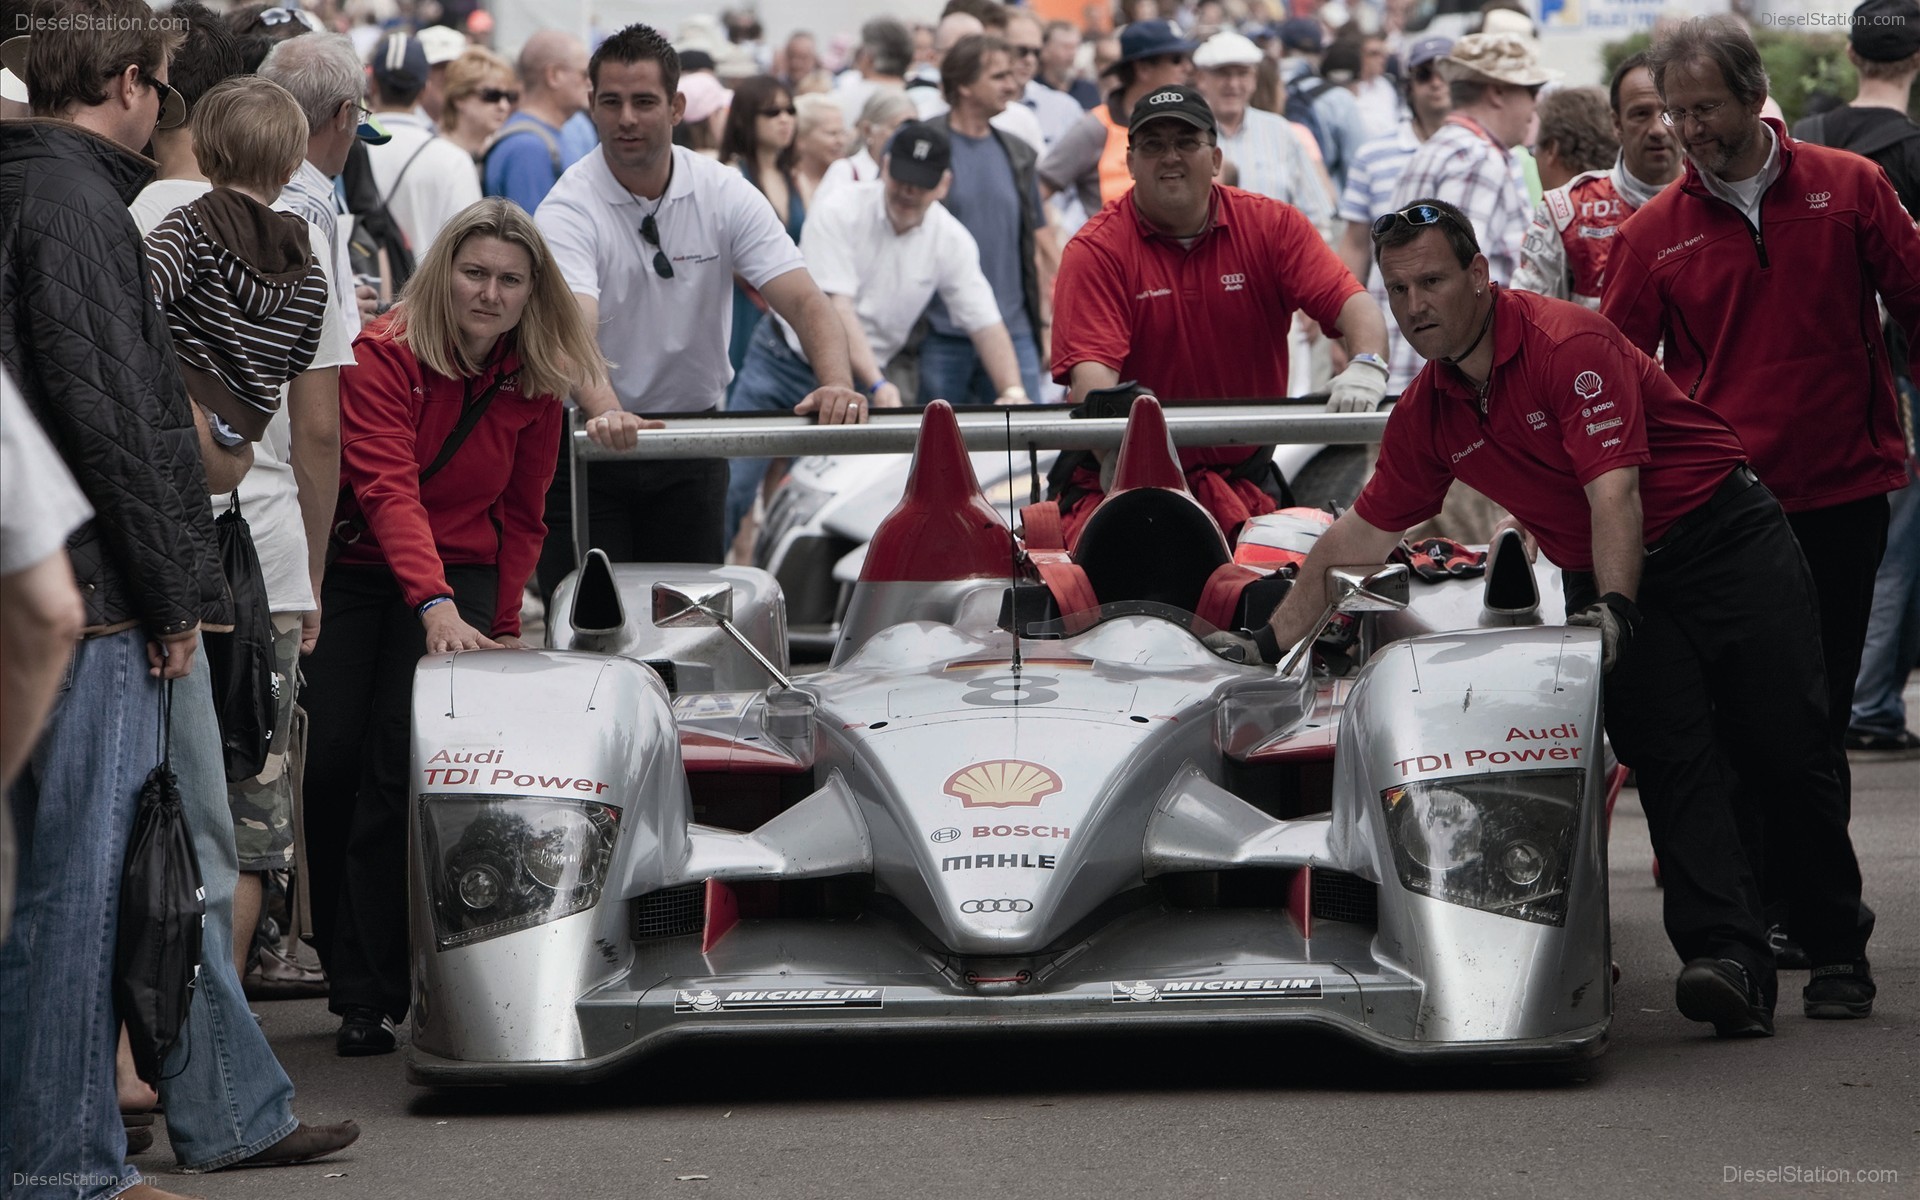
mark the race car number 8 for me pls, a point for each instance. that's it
(1010, 691)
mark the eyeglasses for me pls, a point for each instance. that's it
(1026, 51)
(788, 111)
(651, 232)
(1155, 147)
(1419, 217)
(160, 91)
(1673, 118)
(496, 95)
(280, 16)
(1425, 72)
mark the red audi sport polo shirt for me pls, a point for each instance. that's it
(1570, 399)
(1206, 322)
(1775, 327)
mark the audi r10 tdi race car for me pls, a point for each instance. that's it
(1023, 795)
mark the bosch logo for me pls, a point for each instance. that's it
(1586, 385)
(948, 834)
(1166, 98)
(997, 906)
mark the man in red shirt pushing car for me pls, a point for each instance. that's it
(1189, 287)
(1673, 550)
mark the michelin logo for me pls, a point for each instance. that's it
(1159, 991)
(1594, 427)
(709, 1001)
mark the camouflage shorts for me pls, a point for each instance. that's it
(263, 806)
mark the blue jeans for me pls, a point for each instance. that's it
(227, 1097)
(73, 809)
(1893, 629)
(950, 369)
(772, 379)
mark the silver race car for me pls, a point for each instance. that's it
(1024, 795)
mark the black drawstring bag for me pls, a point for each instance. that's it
(241, 662)
(156, 959)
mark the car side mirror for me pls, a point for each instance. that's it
(707, 604)
(1368, 589)
(699, 605)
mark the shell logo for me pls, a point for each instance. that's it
(1586, 385)
(1003, 783)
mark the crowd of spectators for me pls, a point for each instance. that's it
(344, 268)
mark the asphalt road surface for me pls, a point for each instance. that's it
(1832, 1108)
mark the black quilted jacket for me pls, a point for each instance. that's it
(81, 332)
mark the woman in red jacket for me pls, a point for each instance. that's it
(450, 422)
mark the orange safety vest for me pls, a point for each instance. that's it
(1114, 177)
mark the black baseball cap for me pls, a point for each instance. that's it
(919, 154)
(1174, 100)
(1886, 30)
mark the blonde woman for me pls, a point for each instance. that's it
(819, 141)
(435, 541)
(482, 91)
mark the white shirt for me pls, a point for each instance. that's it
(40, 504)
(1057, 112)
(852, 250)
(425, 196)
(1380, 108)
(269, 493)
(1746, 194)
(666, 338)
(858, 168)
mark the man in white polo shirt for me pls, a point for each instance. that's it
(880, 252)
(650, 237)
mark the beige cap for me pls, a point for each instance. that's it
(442, 45)
(1496, 58)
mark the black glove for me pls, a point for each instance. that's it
(1617, 618)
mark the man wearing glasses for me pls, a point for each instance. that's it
(1673, 551)
(1190, 287)
(1757, 274)
(650, 238)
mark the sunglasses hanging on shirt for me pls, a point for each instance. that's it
(651, 232)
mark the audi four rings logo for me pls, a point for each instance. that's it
(1818, 199)
(997, 906)
(1165, 98)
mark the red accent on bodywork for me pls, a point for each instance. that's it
(943, 528)
(1300, 900)
(723, 913)
(1147, 456)
(710, 752)
(1615, 779)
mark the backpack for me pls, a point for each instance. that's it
(374, 228)
(1301, 94)
(241, 660)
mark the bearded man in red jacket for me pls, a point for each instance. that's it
(1757, 274)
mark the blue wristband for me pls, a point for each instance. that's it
(422, 610)
(877, 385)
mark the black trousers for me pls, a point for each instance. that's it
(1843, 545)
(638, 512)
(359, 701)
(1720, 704)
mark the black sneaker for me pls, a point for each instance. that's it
(1839, 992)
(1901, 744)
(1788, 955)
(364, 1031)
(1719, 991)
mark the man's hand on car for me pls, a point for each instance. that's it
(1359, 388)
(1617, 618)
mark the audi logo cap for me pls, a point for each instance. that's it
(919, 154)
(1175, 100)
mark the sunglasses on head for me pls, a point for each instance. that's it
(1419, 217)
(280, 16)
(651, 232)
(777, 111)
(496, 95)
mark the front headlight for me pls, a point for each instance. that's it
(1499, 843)
(496, 864)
